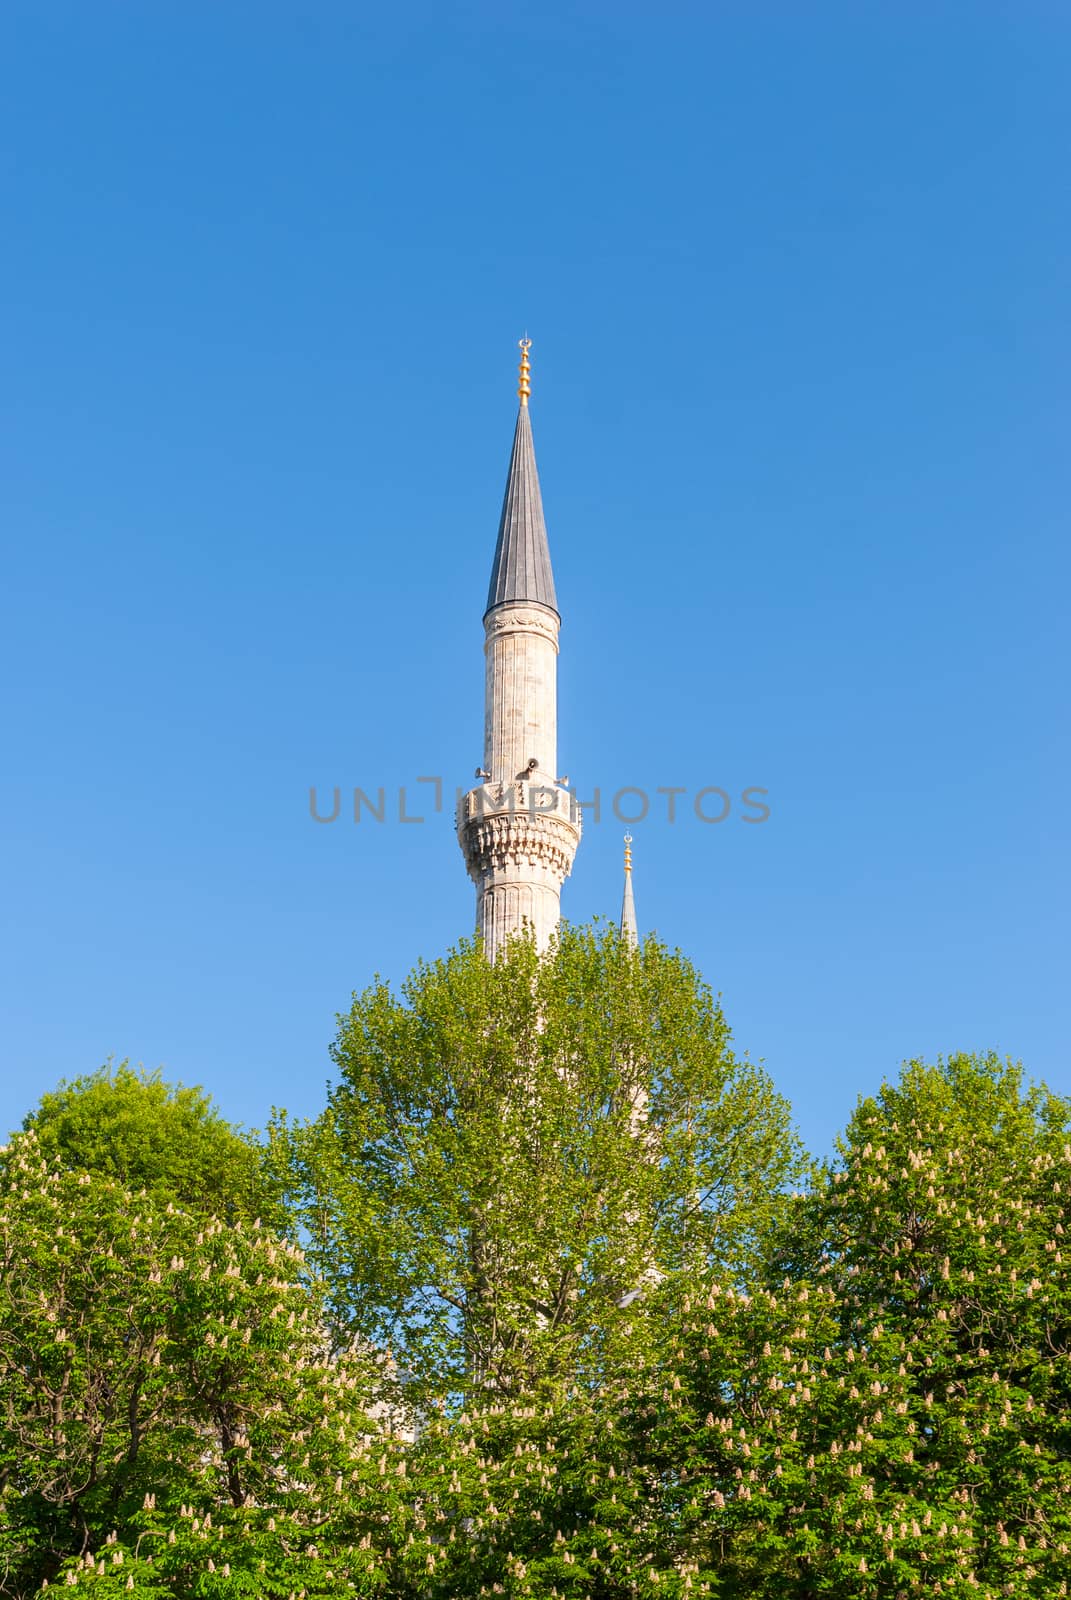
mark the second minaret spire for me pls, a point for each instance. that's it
(629, 930)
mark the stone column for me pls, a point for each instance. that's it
(521, 693)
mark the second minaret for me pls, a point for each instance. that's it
(519, 828)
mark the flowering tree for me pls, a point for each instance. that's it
(171, 1418)
(893, 1417)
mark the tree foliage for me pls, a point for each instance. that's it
(168, 1401)
(890, 1417)
(549, 1222)
(893, 1417)
(513, 1155)
(165, 1138)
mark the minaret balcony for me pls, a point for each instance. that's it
(524, 797)
(503, 825)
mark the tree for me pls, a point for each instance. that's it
(171, 1411)
(891, 1417)
(514, 1155)
(165, 1138)
(546, 1498)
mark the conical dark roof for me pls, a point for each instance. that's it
(522, 571)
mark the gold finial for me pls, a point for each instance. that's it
(628, 852)
(525, 387)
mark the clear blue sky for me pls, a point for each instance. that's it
(796, 278)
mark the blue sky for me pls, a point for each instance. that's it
(796, 278)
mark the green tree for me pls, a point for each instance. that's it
(171, 1411)
(514, 1155)
(544, 1497)
(894, 1416)
(165, 1138)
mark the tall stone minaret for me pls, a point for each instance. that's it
(519, 828)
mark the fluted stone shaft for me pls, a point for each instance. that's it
(521, 692)
(504, 909)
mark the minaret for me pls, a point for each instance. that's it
(520, 827)
(629, 929)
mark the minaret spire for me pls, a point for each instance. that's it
(521, 569)
(629, 929)
(520, 828)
